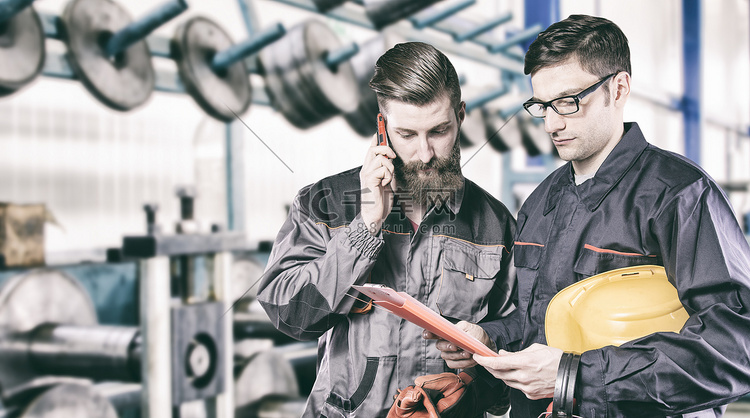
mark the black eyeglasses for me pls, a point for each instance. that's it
(566, 105)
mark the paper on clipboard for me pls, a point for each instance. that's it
(415, 312)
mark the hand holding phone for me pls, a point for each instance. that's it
(376, 178)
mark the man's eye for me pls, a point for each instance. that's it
(405, 135)
(440, 132)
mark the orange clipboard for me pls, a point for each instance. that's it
(415, 312)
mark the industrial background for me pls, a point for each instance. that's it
(149, 151)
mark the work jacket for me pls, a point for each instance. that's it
(457, 262)
(644, 206)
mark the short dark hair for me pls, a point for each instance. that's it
(415, 73)
(596, 43)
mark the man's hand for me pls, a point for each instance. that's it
(533, 371)
(455, 357)
(378, 185)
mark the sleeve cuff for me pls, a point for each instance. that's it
(361, 239)
(503, 331)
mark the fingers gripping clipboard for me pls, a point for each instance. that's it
(415, 312)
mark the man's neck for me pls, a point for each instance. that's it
(591, 165)
(416, 213)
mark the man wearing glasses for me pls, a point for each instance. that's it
(620, 202)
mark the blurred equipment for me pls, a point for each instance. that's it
(22, 234)
(69, 400)
(534, 138)
(23, 308)
(262, 375)
(22, 49)
(222, 90)
(108, 51)
(384, 12)
(326, 5)
(503, 133)
(308, 74)
(363, 64)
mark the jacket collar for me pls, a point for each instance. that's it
(615, 166)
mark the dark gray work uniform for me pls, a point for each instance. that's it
(458, 262)
(644, 206)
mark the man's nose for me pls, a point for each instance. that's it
(553, 122)
(425, 152)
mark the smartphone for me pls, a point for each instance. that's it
(382, 135)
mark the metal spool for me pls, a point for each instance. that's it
(502, 136)
(22, 50)
(362, 120)
(384, 12)
(299, 81)
(27, 301)
(220, 93)
(265, 374)
(122, 82)
(69, 401)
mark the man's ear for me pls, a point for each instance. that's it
(621, 90)
(461, 112)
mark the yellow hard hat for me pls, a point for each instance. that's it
(612, 308)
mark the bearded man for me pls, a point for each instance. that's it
(407, 219)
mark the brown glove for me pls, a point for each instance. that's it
(443, 395)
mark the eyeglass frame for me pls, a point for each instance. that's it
(576, 98)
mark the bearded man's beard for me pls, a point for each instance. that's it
(436, 187)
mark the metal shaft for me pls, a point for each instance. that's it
(257, 325)
(337, 56)
(433, 15)
(142, 27)
(237, 52)
(99, 352)
(517, 38)
(484, 27)
(10, 8)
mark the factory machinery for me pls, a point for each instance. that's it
(169, 325)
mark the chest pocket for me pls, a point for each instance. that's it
(527, 255)
(466, 280)
(594, 260)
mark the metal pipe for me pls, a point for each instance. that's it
(433, 15)
(484, 27)
(354, 15)
(142, 27)
(257, 326)
(10, 8)
(517, 38)
(98, 352)
(156, 359)
(337, 56)
(237, 52)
